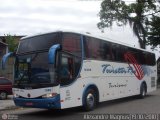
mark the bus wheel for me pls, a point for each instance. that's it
(143, 91)
(89, 100)
(3, 95)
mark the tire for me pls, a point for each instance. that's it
(3, 95)
(90, 100)
(143, 91)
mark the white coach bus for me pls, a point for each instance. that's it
(67, 69)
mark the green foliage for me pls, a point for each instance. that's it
(154, 31)
(112, 11)
(121, 13)
(11, 41)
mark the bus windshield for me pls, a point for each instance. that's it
(34, 69)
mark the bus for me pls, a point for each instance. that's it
(65, 69)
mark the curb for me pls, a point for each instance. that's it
(10, 108)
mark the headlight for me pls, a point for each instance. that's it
(15, 95)
(49, 95)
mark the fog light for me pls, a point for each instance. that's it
(49, 95)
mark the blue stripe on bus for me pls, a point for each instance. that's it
(48, 103)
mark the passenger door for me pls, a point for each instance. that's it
(66, 69)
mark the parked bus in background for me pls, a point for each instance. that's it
(68, 69)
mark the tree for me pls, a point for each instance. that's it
(12, 43)
(121, 13)
(154, 31)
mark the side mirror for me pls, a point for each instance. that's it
(4, 59)
(52, 60)
(52, 53)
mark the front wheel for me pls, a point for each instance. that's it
(90, 100)
(3, 95)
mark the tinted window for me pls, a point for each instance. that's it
(103, 50)
(71, 43)
(32, 68)
(150, 59)
(143, 58)
(40, 42)
(119, 52)
(98, 49)
(107, 50)
(134, 54)
(93, 48)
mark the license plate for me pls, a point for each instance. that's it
(29, 103)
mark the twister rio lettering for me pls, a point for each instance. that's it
(107, 68)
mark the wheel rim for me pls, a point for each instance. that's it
(3, 95)
(90, 100)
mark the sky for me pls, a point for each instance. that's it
(28, 17)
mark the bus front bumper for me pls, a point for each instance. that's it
(47, 103)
